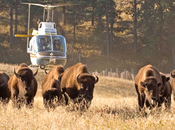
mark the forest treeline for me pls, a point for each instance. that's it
(127, 32)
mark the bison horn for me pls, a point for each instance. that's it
(2, 84)
(172, 75)
(45, 71)
(96, 79)
(78, 80)
(17, 75)
(59, 77)
(35, 72)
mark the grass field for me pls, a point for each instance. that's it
(114, 107)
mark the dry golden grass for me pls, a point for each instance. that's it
(114, 106)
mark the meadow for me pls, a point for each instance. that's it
(114, 107)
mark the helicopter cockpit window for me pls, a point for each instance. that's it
(58, 44)
(44, 43)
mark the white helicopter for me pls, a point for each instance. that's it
(46, 48)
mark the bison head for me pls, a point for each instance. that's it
(86, 86)
(164, 80)
(25, 77)
(3, 80)
(151, 91)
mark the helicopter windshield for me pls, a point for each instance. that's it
(44, 43)
(47, 43)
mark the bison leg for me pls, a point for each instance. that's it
(66, 97)
(140, 102)
(48, 104)
(161, 101)
(140, 99)
(4, 100)
(168, 102)
(48, 100)
(29, 103)
(51, 99)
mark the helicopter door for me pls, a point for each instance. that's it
(32, 48)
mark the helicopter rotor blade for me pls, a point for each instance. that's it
(49, 6)
(34, 4)
(60, 5)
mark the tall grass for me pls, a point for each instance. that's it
(114, 106)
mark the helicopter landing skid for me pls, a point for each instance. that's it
(34, 66)
(43, 67)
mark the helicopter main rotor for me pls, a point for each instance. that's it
(49, 8)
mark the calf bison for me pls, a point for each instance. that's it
(78, 84)
(4, 90)
(166, 91)
(51, 90)
(23, 86)
(148, 83)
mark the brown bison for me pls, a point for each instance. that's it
(172, 82)
(165, 93)
(148, 83)
(4, 90)
(51, 89)
(78, 84)
(23, 86)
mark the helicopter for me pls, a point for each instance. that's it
(46, 47)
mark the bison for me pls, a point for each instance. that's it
(4, 90)
(148, 83)
(51, 90)
(78, 84)
(23, 86)
(166, 91)
(172, 82)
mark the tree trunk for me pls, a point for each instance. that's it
(107, 32)
(92, 16)
(16, 16)
(111, 36)
(135, 26)
(74, 26)
(11, 22)
(112, 21)
(64, 15)
(100, 30)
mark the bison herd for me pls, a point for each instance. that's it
(76, 85)
(59, 86)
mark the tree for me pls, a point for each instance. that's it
(155, 28)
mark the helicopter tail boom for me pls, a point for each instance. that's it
(23, 35)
